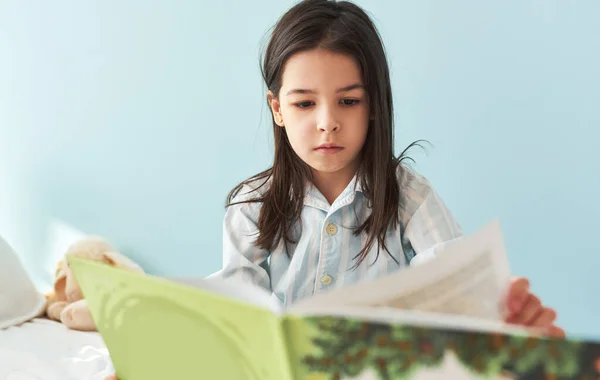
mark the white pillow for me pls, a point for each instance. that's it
(20, 301)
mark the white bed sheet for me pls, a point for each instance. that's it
(46, 350)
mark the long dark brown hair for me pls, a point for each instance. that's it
(340, 27)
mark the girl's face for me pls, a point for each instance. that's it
(323, 107)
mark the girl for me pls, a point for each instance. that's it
(337, 206)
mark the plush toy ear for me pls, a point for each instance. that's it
(60, 282)
(59, 268)
(59, 289)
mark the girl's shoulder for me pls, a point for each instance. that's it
(415, 188)
(245, 201)
(251, 189)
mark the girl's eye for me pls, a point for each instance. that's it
(350, 102)
(304, 104)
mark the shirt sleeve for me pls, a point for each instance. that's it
(431, 225)
(242, 259)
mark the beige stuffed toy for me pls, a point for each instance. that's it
(65, 302)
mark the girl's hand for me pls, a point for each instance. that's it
(111, 377)
(526, 309)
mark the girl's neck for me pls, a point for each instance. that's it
(331, 185)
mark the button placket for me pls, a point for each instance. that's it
(331, 229)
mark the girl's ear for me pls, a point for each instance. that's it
(275, 109)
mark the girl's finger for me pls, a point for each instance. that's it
(517, 295)
(545, 318)
(556, 332)
(529, 312)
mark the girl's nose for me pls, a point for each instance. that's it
(328, 123)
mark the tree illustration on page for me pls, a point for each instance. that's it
(346, 348)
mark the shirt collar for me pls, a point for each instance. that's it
(314, 198)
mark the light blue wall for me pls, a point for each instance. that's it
(133, 119)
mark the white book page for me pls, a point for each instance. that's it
(467, 276)
(234, 289)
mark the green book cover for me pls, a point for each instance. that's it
(158, 329)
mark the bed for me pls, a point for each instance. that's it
(37, 348)
(42, 349)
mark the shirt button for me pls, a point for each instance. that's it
(331, 229)
(326, 280)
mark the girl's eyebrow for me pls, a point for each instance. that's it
(307, 91)
(351, 87)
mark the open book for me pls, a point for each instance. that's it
(444, 314)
